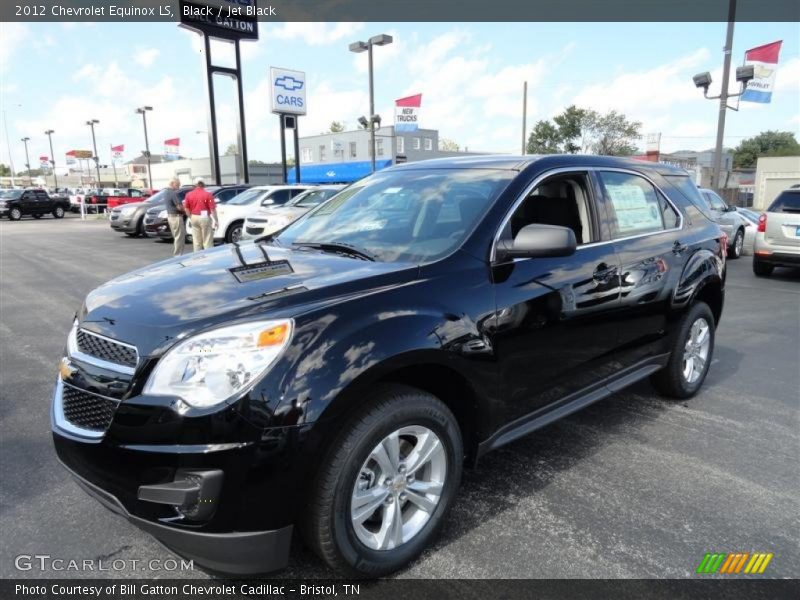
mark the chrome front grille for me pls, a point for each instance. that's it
(85, 410)
(107, 349)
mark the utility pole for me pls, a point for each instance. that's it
(91, 123)
(8, 145)
(723, 97)
(524, 113)
(25, 141)
(49, 133)
(142, 110)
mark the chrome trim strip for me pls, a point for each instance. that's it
(59, 421)
(72, 349)
(186, 449)
(535, 183)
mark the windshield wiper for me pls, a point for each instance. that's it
(338, 248)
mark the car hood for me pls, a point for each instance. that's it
(152, 306)
(283, 211)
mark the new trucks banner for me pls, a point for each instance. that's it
(406, 113)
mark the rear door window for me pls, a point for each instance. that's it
(786, 202)
(638, 206)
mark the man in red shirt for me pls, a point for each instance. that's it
(202, 211)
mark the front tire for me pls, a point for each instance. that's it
(234, 233)
(385, 484)
(15, 214)
(690, 355)
(737, 247)
(762, 269)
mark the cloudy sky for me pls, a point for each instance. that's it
(56, 76)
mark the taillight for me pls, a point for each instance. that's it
(762, 223)
(724, 244)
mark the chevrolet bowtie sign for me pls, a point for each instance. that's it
(288, 91)
(225, 19)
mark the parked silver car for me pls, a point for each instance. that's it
(270, 219)
(777, 241)
(727, 217)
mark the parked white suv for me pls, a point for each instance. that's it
(777, 242)
(233, 213)
(269, 219)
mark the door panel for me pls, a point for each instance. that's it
(652, 246)
(555, 328)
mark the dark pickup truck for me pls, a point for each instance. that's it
(16, 203)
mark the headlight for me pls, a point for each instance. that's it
(162, 214)
(2, 203)
(212, 367)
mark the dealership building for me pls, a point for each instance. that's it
(347, 155)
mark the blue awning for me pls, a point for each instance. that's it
(343, 172)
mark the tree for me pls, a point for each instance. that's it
(5, 170)
(544, 139)
(232, 150)
(255, 163)
(610, 134)
(583, 130)
(766, 143)
(447, 145)
(336, 127)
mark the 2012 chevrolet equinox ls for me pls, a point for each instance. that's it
(335, 378)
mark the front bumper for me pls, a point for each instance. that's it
(124, 224)
(239, 553)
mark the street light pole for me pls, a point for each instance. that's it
(723, 97)
(91, 123)
(25, 141)
(142, 110)
(49, 133)
(377, 40)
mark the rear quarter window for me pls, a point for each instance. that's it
(787, 202)
(689, 190)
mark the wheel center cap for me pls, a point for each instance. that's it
(399, 483)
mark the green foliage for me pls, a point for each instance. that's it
(231, 150)
(582, 130)
(5, 170)
(447, 145)
(336, 127)
(766, 143)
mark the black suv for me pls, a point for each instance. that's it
(335, 378)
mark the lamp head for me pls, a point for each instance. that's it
(702, 80)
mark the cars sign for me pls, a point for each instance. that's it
(288, 91)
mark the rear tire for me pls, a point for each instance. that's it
(690, 357)
(736, 248)
(377, 459)
(58, 212)
(762, 269)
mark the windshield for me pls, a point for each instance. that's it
(312, 198)
(246, 197)
(403, 216)
(157, 197)
(10, 194)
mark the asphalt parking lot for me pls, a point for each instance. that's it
(632, 487)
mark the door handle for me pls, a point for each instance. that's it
(603, 272)
(678, 248)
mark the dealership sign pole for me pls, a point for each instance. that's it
(231, 22)
(288, 97)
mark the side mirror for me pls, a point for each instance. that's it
(267, 202)
(732, 208)
(537, 241)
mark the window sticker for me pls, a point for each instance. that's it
(635, 212)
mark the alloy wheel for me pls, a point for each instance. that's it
(696, 350)
(739, 243)
(398, 488)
